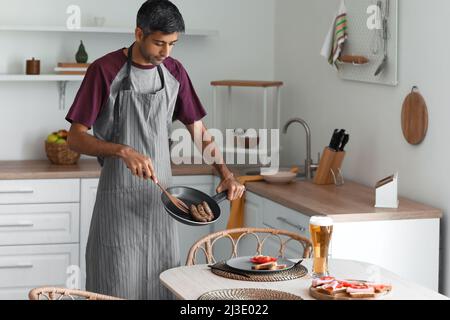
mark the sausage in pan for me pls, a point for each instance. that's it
(208, 210)
(196, 215)
(203, 212)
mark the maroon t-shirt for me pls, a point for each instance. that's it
(101, 84)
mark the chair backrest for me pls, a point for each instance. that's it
(52, 293)
(206, 244)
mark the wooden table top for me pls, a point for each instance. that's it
(189, 283)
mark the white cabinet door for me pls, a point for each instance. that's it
(88, 195)
(276, 216)
(39, 191)
(188, 234)
(254, 206)
(39, 223)
(23, 268)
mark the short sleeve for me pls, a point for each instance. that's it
(90, 98)
(188, 108)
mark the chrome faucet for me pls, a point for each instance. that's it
(309, 165)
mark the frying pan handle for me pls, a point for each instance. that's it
(220, 196)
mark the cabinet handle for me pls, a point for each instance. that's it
(20, 265)
(302, 229)
(21, 191)
(18, 224)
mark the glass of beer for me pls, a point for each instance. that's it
(320, 228)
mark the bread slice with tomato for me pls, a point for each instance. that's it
(266, 266)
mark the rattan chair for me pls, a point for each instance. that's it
(51, 293)
(206, 244)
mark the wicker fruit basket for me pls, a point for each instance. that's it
(61, 154)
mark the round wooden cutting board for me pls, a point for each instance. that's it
(414, 118)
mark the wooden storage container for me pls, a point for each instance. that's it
(329, 167)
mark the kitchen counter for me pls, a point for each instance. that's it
(85, 169)
(351, 202)
(347, 203)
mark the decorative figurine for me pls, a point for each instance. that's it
(81, 56)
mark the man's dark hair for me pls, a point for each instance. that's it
(160, 15)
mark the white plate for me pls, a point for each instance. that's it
(280, 177)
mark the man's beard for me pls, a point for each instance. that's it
(148, 58)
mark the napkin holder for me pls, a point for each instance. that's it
(329, 170)
(386, 192)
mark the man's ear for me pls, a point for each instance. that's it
(139, 34)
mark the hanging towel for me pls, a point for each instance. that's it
(336, 37)
(236, 219)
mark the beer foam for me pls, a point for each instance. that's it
(321, 221)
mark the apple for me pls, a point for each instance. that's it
(52, 138)
(63, 134)
(61, 141)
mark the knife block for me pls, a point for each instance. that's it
(329, 171)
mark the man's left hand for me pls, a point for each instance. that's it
(235, 189)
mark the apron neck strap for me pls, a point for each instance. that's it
(127, 79)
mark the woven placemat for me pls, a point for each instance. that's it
(296, 272)
(248, 294)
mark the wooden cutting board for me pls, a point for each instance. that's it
(414, 118)
(317, 294)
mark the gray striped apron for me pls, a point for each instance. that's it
(131, 238)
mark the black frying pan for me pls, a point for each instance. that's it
(192, 196)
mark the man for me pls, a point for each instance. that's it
(130, 97)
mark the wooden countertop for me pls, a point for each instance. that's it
(43, 169)
(350, 202)
(86, 168)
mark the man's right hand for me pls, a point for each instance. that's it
(82, 142)
(139, 165)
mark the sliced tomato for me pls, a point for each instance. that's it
(263, 259)
(359, 286)
(346, 284)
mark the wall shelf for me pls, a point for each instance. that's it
(41, 77)
(246, 83)
(62, 80)
(112, 30)
(264, 85)
(253, 151)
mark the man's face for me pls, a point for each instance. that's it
(156, 47)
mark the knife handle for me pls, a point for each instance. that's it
(344, 142)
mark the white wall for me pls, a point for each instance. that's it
(371, 112)
(29, 111)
